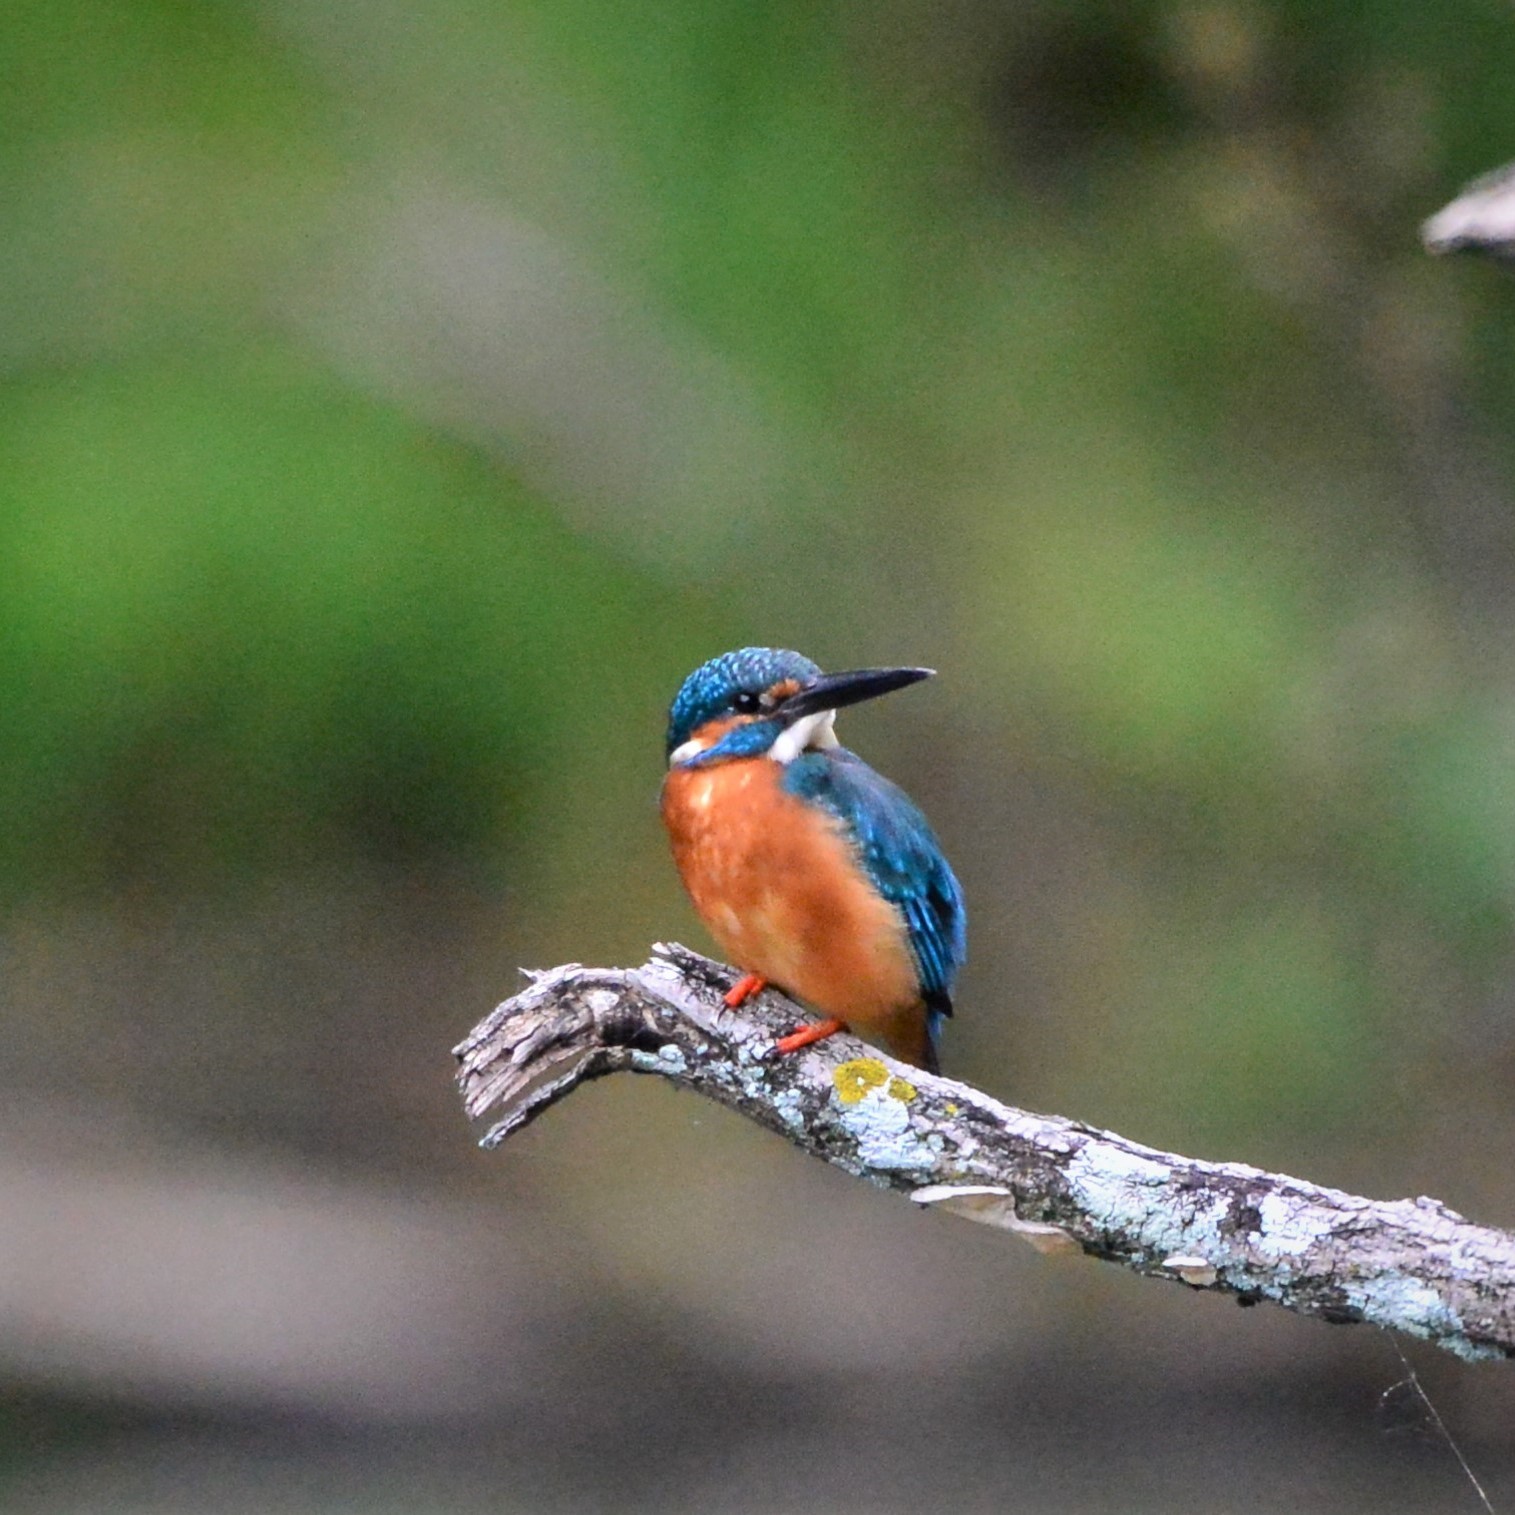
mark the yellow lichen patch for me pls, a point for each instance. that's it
(854, 1079)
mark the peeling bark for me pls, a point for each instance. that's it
(1410, 1265)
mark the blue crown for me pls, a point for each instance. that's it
(713, 688)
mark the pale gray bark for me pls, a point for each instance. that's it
(1480, 219)
(1412, 1265)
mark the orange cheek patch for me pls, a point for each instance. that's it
(712, 731)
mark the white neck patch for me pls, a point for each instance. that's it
(809, 731)
(690, 749)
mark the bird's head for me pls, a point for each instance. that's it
(765, 701)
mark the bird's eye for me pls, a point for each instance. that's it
(747, 702)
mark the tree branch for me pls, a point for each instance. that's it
(1412, 1265)
(1481, 218)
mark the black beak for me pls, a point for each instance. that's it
(830, 691)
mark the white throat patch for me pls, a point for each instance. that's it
(809, 731)
(690, 749)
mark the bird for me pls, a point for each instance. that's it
(814, 873)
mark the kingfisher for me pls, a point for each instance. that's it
(812, 871)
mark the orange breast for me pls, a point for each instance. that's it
(782, 891)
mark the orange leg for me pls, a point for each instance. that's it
(816, 1031)
(743, 990)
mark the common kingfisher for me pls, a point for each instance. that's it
(812, 871)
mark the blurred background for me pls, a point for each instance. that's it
(395, 404)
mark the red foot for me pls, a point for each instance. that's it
(743, 990)
(816, 1031)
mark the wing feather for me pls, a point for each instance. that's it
(900, 852)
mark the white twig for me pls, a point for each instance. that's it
(1480, 219)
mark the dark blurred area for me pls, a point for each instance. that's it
(398, 402)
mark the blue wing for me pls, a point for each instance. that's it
(901, 855)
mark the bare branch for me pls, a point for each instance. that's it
(1480, 219)
(1412, 1265)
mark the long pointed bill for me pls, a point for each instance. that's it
(831, 691)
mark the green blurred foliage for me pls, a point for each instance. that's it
(251, 615)
(1096, 362)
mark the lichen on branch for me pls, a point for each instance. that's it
(1409, 1265)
